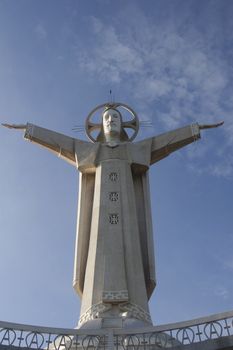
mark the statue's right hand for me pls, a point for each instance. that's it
(15, 126)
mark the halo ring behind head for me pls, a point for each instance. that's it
(131, 124)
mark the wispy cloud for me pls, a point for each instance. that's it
(228, 264)
(112, 58)
(210, 288)
(227, 261)
(224, 168)
(41, 31)
(221, 292)
(175, 73)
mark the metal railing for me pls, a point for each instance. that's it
(164, 336)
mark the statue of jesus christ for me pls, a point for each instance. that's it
(114, 272)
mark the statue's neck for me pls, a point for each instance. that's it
(112, 138)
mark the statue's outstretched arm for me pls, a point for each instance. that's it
(59, 144)
(163, 145)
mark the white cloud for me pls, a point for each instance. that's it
(221, 292)
(229, 130)
(224, 168)
(163, 68)
(211, 288)
(229, 264)
(96, 24)
(41, 31)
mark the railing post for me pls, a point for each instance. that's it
(110, 342)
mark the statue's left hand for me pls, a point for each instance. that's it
(209, 126)
(15, 126)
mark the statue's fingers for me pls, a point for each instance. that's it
(14, 126)
(209, 126)
(220, 123)
(7, 125)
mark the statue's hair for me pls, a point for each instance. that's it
(123, 135)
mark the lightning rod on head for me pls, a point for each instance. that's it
(111, 96)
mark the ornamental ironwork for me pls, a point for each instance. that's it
(183, 333)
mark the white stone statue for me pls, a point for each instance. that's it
(114, 269)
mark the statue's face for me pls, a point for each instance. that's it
(112, 122)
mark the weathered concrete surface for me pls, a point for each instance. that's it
(114, 271)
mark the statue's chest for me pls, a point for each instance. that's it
(107, 153)
(136, 156)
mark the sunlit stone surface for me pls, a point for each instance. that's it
(114, 272)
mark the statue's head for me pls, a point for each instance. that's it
(112, 122)
(112, 128)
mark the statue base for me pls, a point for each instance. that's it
(106, 315)
(114, 322)
(111, 324)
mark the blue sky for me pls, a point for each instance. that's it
(171, 61)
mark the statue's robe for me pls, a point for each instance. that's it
(114, 257)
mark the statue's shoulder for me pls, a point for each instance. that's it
(142, 144)
(84, 148)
